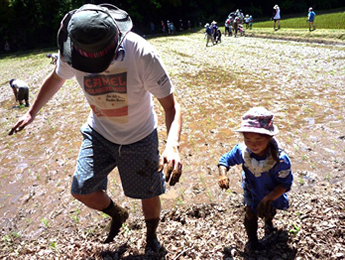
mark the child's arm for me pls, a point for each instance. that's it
(223, 180)
(234, 157)
(274, 194)
(264, 208)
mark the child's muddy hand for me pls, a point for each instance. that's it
(224, 182)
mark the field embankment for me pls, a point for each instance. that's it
(330, 29)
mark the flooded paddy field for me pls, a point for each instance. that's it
(302, 83)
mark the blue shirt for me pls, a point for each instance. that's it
(311, 16)
(261, 175)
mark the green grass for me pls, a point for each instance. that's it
(323, 21)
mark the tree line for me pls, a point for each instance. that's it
(32, 24)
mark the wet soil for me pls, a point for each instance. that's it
(301, 82)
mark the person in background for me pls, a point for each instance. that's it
(276, 17)
(7, 47)
(246, 21)
(20, 91)
(152, 28)
(54, 57)
(227, 27)
(181, 25)
(311, 18)
(163, 27)
(172, 28)
(231, 19)
(209, 34)
(250, 22)
(219, 36)
(214, 31)
(236, 24)
(168, 26)
(266, 175)
(118, 72)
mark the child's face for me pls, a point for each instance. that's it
(258, 143)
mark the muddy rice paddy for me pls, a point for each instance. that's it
(302, 83)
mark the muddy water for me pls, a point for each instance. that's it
(302, 83)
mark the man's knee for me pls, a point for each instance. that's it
(84, 198)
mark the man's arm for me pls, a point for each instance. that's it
(173, 121)
(49, 87)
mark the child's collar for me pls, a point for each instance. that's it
(256, 166)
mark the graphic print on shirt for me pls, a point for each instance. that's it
(109, 96)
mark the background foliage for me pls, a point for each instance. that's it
(30, 24)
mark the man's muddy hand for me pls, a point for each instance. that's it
(21, 124)
(172, 166)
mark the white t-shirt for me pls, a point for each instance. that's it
(120, 97)
(277, 16)
(17, 83)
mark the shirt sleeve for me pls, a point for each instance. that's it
(284, 174)
(63, 70)
(157, 80)
(234, 157)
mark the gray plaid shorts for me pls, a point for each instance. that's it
(137, 164)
